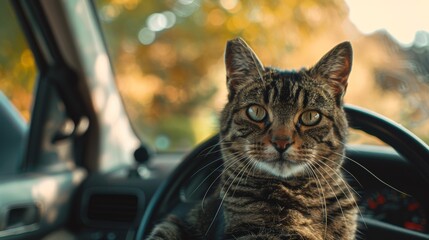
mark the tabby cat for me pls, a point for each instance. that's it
(282, 139)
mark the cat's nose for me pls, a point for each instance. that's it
(281, 143)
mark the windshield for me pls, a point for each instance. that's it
(168, 57)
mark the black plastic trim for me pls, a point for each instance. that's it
(401, 139)
(152, 211)
(375, 228)
(55, 75)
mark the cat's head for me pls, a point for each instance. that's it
(284, 122)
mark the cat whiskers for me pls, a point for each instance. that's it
(248, 164)
(371, 173)
(205, 166)
(329, 185)
(226, 192)
(341, 167)
(208, 176)
(252, 169)
(232, 162)
(350, 190)
(316, 156)
(321, 195)
(210, 152)
(211, 147)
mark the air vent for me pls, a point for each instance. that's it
(120, 208)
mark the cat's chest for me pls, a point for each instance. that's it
(271, 214)
(275, 207)
(275, 201)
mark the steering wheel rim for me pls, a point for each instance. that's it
(402, 140)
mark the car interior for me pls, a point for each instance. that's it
(78, 169)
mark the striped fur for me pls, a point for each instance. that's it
(282, 174)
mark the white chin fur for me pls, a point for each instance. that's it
(280, 170)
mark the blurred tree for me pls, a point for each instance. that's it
(168, 54)
(17, 69)
(168, 57)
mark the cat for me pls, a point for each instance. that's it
(282, 137)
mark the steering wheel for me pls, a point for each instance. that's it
(207, 156)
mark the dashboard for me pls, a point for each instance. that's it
(388, 205)
(391, 194)
(390, 189)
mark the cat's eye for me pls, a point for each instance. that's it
(256, 113)
(310, 118)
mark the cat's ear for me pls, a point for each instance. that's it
(242, 65)
(335, 68)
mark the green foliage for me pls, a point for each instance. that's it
(17, 70)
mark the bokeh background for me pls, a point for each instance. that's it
(168, 57)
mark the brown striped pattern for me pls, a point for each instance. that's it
(282, 177)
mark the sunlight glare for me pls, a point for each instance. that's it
(146, 36)
(402, 19)
(229, 4)
(157, 22)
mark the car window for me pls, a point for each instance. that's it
(168, 57)
(17, 66)
(17, 78)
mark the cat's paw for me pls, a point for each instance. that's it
(169, 229)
